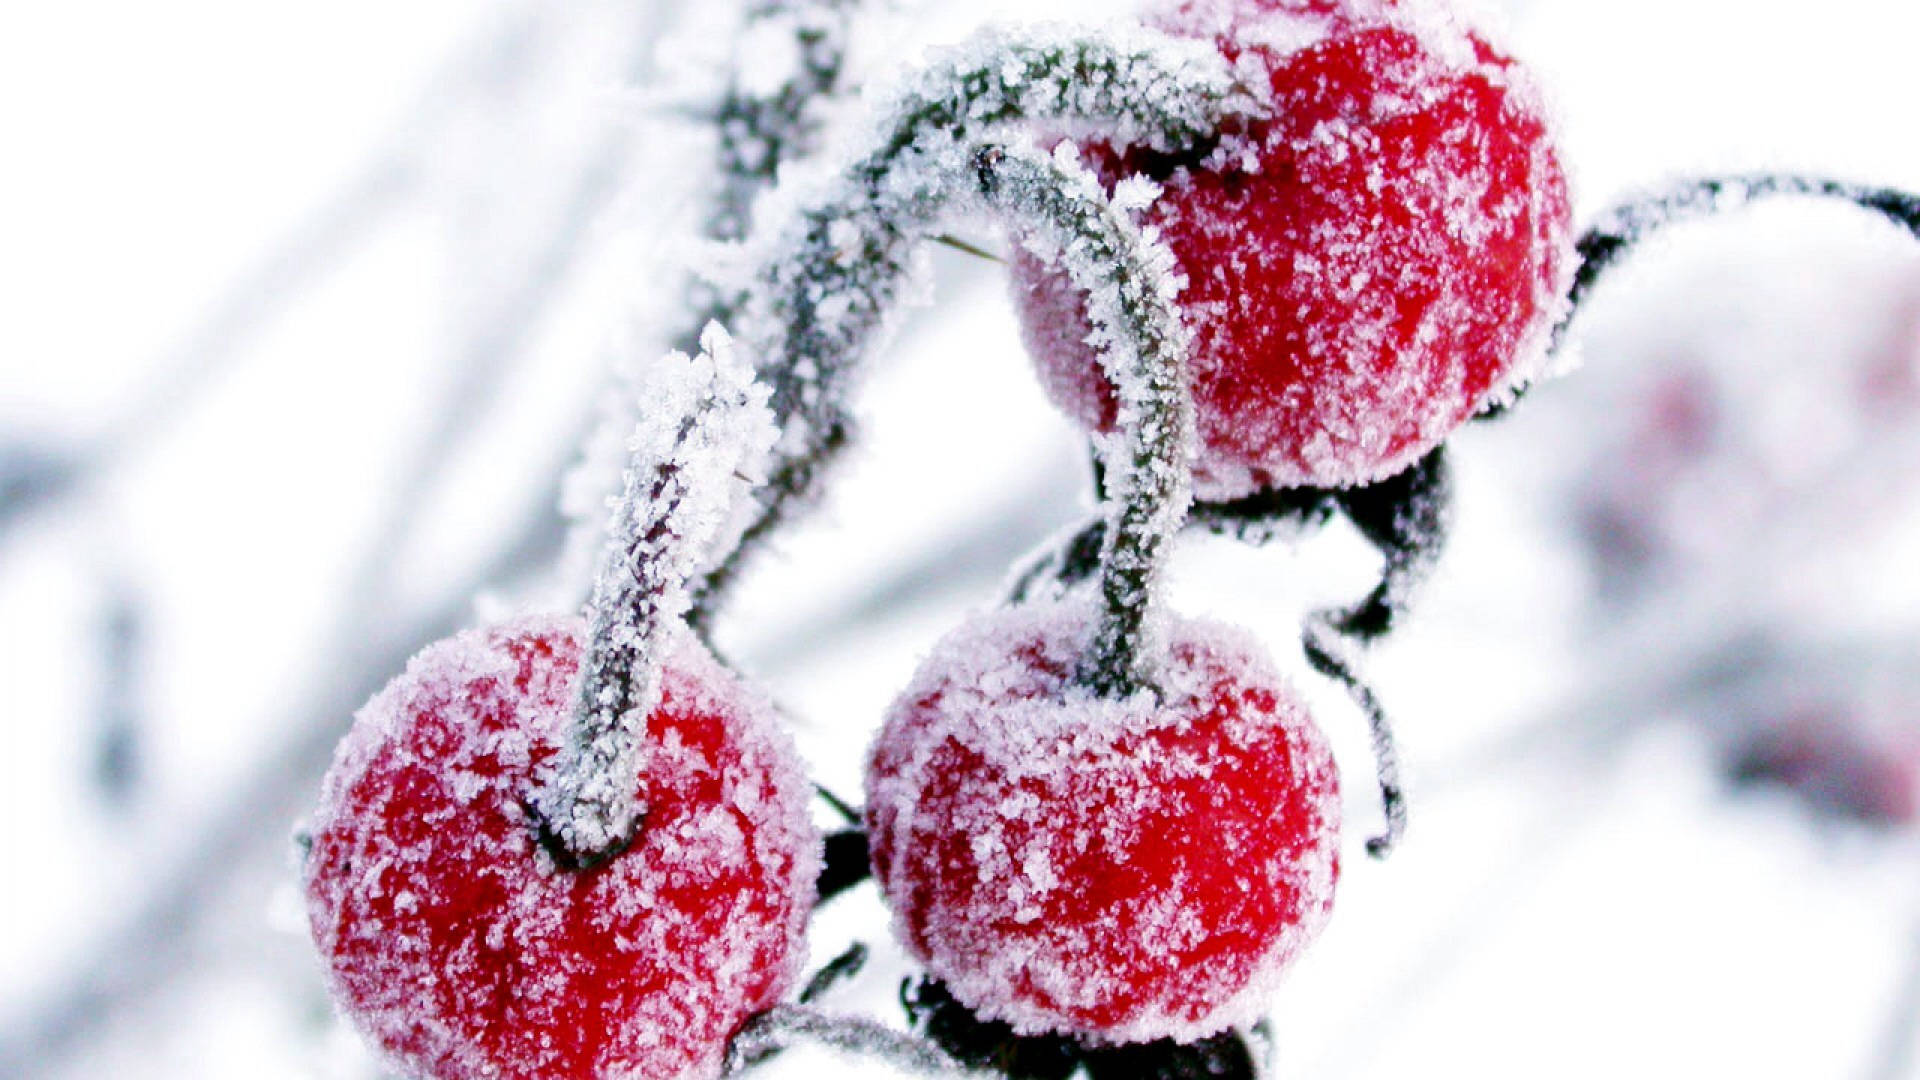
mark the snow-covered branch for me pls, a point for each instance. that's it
(827, 281)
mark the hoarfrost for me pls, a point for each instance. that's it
(832, 274)
(692, 459)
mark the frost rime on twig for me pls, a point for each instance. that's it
(1130, 284)
(1623, 227)
(759, 129)
(784, 1025)
(763, 128)
(707, 437)
(826, 283)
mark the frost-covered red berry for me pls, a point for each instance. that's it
(1366, 266)
(1127, 869)
(455, 942)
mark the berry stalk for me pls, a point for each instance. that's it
(1142, 344)
(1623, 227)
(709, 432)
(826, 283)
(758, 130)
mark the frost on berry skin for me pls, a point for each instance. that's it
(1124, 869)
(456, 944)
(1375, 260)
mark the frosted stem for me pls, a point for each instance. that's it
(1622, 228)
(828, 280)
(1328, 655)
(1143, 346)
(710, 429)
(784, 1025)
(759, 129)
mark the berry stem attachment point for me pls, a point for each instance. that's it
(709, 429)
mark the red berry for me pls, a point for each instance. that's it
(1365, 268)
(1126, 869)
(455, 942)
(1838, 763)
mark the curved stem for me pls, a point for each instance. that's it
(826, 283)
(783, 1025)
(680, 482)
(759, 129)
(1328, 654)
(1143, 346)
(1622, 228)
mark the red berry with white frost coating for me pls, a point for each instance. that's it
(1366, 266)
(457, 945)
(1125, 869)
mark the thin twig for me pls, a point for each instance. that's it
(1621, 229)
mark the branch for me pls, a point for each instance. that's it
(826, 282)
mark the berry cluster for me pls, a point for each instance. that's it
(1297, 244)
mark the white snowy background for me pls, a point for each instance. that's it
(302, 311)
